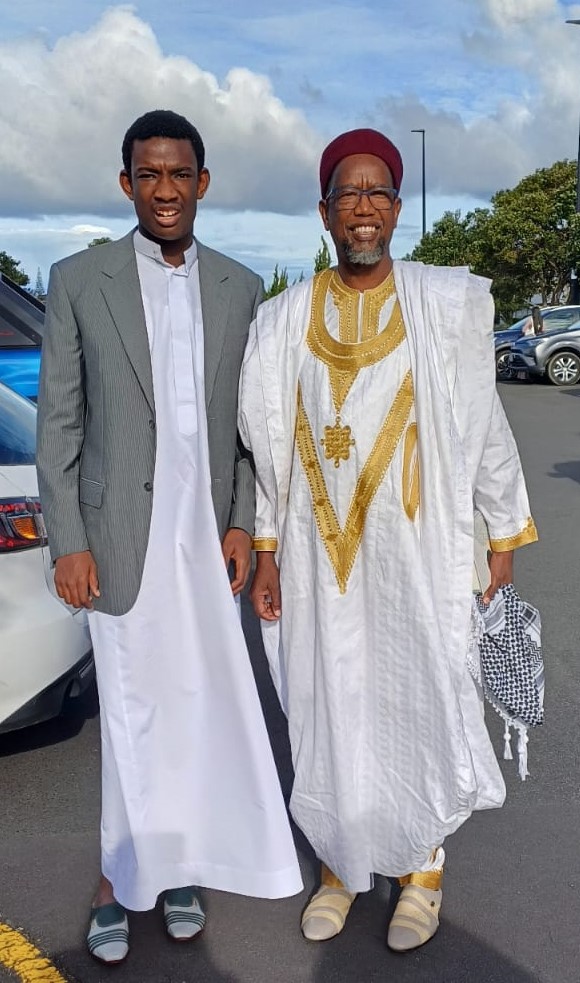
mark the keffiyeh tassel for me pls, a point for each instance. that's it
(506, 635)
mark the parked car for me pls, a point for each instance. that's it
(554, 354)
(45, 648)
(21, 327)
(553, 317)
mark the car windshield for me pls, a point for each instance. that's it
(17, 429)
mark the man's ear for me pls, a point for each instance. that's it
(202, 183)
(126, 186)
(322, 208)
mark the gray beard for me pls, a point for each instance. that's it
(364, 257)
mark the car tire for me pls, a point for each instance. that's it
(563, 369)
(502, 369)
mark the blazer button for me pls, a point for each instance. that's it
(152, 424)
(148, 486)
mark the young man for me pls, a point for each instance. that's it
(369, 404)
(148, 499)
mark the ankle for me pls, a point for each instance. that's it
(328, 879)
(104, 894)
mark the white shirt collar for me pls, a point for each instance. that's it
(153, 250)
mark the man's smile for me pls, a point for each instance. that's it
(363, 232)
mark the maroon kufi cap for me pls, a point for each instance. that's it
(360, 142)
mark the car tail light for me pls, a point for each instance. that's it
(21, 524)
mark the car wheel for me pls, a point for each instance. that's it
(502, 367)
(564, 369)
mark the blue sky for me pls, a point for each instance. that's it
(495, 84)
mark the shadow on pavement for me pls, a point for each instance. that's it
(453, 956)
(75, 714)
(567, 469)
(359, 955)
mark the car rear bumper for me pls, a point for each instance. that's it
(48, 703)
(43, 644)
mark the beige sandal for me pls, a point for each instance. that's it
(325, 915)
(416, 917)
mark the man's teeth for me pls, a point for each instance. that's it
(364, 228)
(166, 212)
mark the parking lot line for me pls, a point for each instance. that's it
(23, 958)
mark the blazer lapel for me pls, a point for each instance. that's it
(215, 303)
(122, 293)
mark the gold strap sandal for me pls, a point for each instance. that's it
(325, 915)
(416, 917)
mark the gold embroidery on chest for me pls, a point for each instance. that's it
(410, 479)
(337, 442)
(347, 303)
(344, 358)
(342, 544)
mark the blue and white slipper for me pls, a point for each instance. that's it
(108, 937)
(184, 916)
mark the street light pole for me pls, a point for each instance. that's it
(424, 194)
(574, 282)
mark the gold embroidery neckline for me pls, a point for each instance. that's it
(344, 354)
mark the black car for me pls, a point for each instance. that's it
(553, 318)
(554, 354)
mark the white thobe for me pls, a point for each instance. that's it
(190, 790)
(389, 744)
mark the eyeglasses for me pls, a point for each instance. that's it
(347, 198)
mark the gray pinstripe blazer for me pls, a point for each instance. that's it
(96, 412)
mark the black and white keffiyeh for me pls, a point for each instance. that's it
(506, 660)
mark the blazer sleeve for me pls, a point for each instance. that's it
(60, 423)
(243, 513)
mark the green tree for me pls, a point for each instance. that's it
(99, 241)
(448, 244)
(527, 242)
(532, 238)
(10, 267)
(279, 283)
(322, 259)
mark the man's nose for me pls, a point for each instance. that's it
(364, 204)
(165, 188)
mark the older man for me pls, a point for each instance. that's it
(368, 401)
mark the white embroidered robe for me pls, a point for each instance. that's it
(390, 749)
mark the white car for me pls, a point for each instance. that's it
(45, 647)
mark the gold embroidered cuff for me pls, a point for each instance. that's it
(529, 534)
(265, 545)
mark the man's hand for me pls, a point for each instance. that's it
(501, 568)
(265, 592)
(76, 579)
(237, 549)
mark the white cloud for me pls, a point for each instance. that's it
(64, 111)
(508, 13)
(535, 125)
(495, 83)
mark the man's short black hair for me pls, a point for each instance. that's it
(162, 123)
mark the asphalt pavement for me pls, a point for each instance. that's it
(511, 911)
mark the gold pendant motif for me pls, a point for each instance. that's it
(337, 442)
